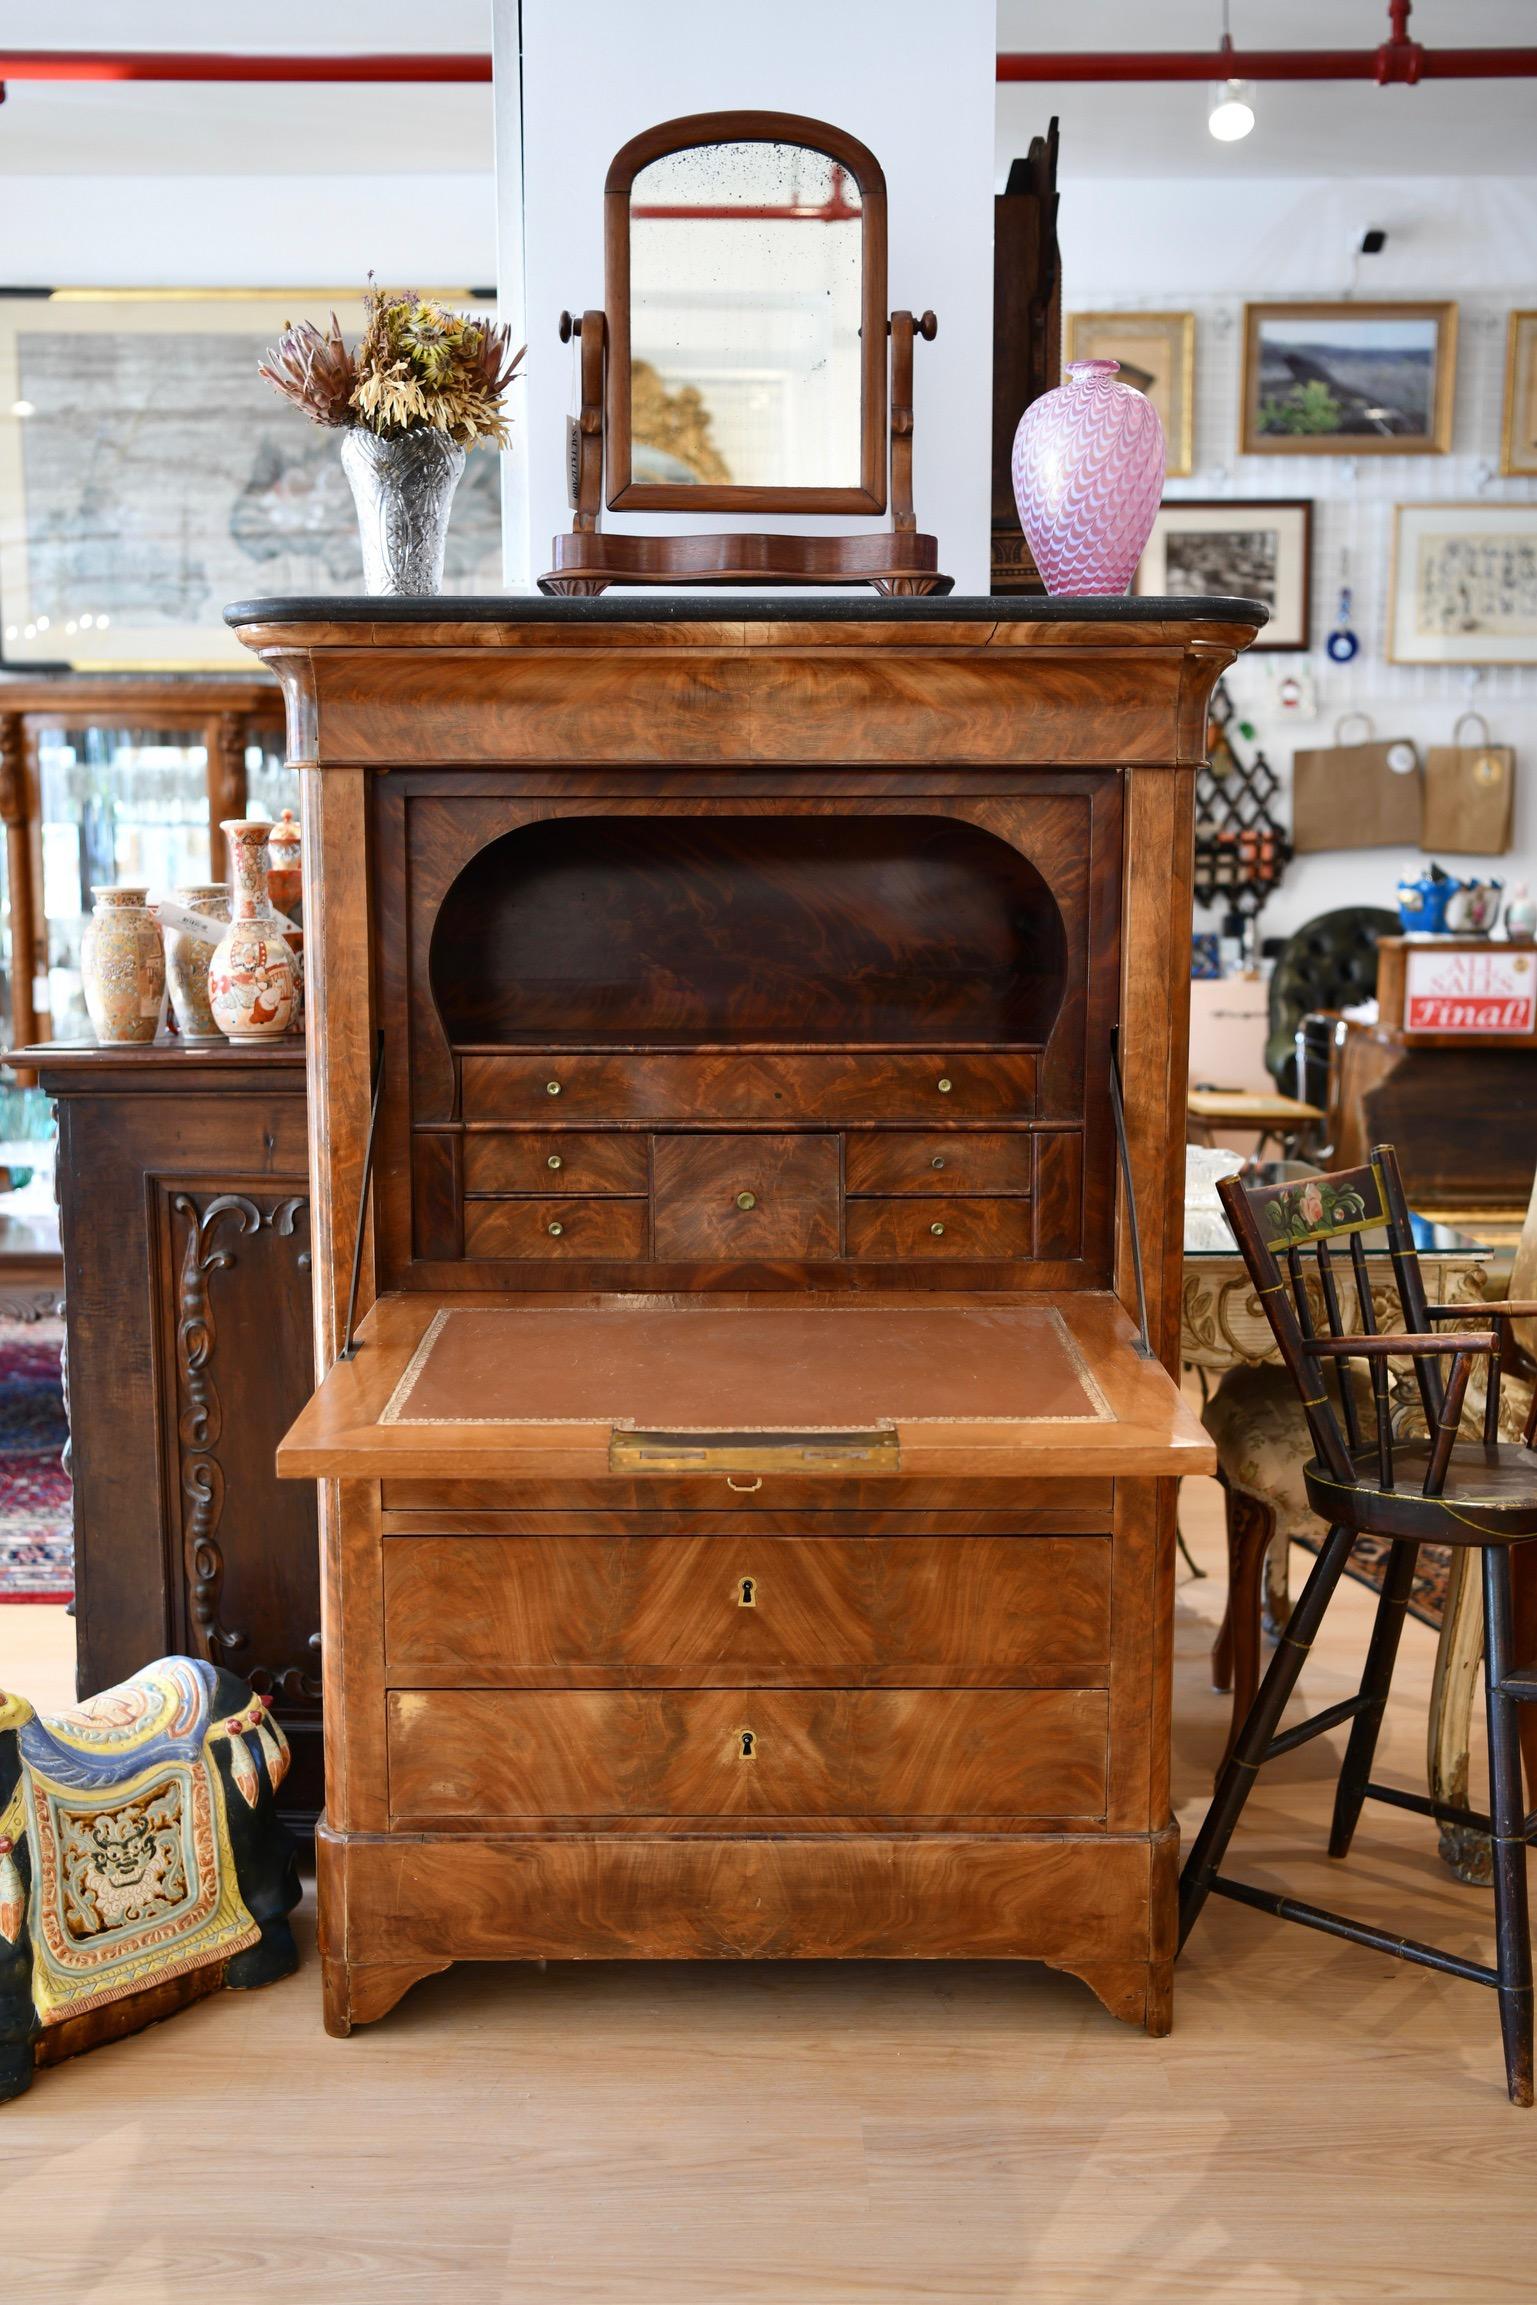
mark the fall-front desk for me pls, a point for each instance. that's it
(748, 1507)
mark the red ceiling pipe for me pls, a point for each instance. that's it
(1381, 64)
(150, 64)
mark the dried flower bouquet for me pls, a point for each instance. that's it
(419, 368)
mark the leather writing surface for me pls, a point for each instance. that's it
(707, 1368)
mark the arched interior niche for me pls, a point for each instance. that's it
(686, 929)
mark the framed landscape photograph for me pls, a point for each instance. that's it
(1464, 584)
(1156, 351)
(1261, 548)
(148, 476)
(1520, 436)
(1348, 379)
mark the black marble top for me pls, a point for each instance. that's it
(649, 606)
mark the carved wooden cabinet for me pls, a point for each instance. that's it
(184, 1215)
(747, 1508)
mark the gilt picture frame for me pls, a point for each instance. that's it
(1518, 443)
(1156, 351)
(149, 476)
(1463, 586)
(1348, 379)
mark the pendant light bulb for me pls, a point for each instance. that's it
(1232, 110)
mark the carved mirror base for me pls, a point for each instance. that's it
(902, 565)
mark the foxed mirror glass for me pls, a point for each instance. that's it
(746, 264)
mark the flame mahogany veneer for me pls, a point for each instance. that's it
(729, 962)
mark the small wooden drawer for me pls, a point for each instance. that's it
(745, 1196)
(554, 1161)
(938, 1161)
(938, 1228)
(728, 1084)
(555, 1228)
(744, 1609)
(805, 1753)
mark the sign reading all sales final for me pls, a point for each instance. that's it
(1472, 992)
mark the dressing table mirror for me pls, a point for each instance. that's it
(745, 363)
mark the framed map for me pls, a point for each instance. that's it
(1464, 588)
(148, 476)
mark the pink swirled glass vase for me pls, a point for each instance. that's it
(1088, 474)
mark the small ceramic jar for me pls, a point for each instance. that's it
(285, 886)
(188, 957)
(122, 965)
(251, 976)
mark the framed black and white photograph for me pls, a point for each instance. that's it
(148, 476)
(1464, 584)
(1348, 379)
(1257, 548)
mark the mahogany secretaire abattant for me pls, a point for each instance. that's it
(747, 1506)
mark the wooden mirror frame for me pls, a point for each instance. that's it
(625, 493)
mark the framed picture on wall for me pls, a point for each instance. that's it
(1348, 379)
(148, 476)
(1464, 584)
(1261, 548)
(1520, 431)
(1156, 351)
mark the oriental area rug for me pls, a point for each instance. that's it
(36, 1536)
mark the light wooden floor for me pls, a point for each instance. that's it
(1323, 2126)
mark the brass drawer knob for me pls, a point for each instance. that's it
(556, 1231)
(938, 1161)
(554, 1161)
(936, 1230)
(746, 1200)
(552, 1088)
(944, 1085)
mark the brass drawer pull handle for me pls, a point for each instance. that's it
(745, 1488)
(556, 1231)
(936, 1230)
(554, 1161)
(552, 1088)
(938, 1161)
(945, 1086)
(746, 1200)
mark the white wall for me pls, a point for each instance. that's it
(246, 231)
(1177, 244)
(914, 81)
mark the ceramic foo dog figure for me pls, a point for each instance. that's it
(142, 1863)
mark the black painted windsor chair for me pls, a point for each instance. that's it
(1439, 1489)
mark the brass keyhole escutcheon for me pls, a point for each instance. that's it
(746, 1200)
(747, 1593)
(749, 1745)
(552, 1088)
(938, 1161)
(556, 1231)
(554, 1161)
(936, 1230)
(944, 1086)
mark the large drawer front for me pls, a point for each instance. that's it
(1050, 1507)
(744, 1609)
(743, 1085)
(913, 1754)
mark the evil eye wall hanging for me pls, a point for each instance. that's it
(1342, 643)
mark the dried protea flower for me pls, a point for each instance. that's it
(422, 366)
(315, 371)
